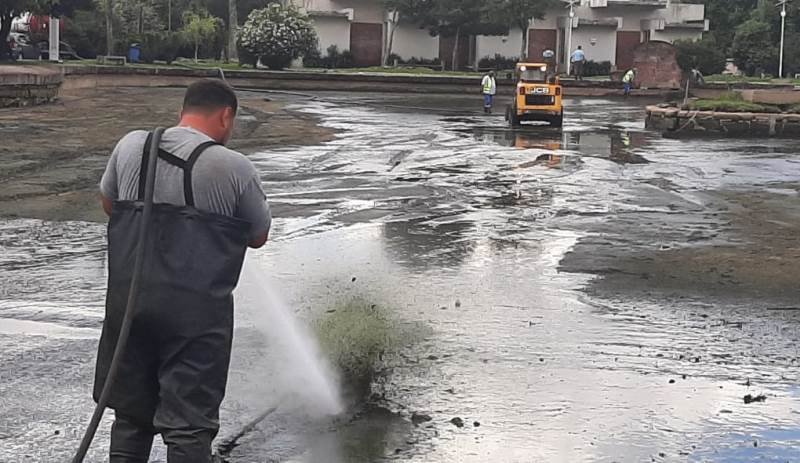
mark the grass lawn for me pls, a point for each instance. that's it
(733, 102)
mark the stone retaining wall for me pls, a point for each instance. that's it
(678, 122)
(29, 85)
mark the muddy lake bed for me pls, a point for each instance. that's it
(597, 293)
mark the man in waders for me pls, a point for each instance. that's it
(209, 207)
(488, 89)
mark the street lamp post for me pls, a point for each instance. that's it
(569, 36)
(783, 33)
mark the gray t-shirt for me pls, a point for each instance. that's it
(224, 181)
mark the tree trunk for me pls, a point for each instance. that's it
(109, 27)
(454, 63)
(233, 23)
(196, 48)
(169, 15)
(390, 41)
(5, 30)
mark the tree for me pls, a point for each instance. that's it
(199, 27)
(519, 14)
(276, 35)
(233, 24)
(753, 50)
(704, 55)
(454, 18)
(404, 11)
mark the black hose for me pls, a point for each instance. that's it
(133, 296)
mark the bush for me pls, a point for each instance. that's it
(704, 55)
(332, 60)
(277, 34)
(85, 30)
(732, 102)
(593, 68)
(160, 46)
(498, 63)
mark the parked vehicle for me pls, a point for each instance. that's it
(16, 41)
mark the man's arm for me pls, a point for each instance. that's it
(253, 207)
(108, 204)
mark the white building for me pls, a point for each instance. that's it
(608, 30)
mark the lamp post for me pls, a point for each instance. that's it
(569, 36)
(783, 33)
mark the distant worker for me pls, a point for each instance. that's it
(209, 208)
(488, 89)
(578, 58)
(627, 80)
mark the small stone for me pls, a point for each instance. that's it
(541, 359)
(755, 443)
(450, 391)
(458, 422)
(683, 377)
(748, 399)
(353, 280)
(442, 308)
(476, 424)
(57, 432)
(672, 381)
(662, 454)
(458, 303)
(433, 357)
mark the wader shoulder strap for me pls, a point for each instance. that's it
(186, 166)
(188, 193)
(143, 168)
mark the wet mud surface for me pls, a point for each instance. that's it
(592, 294)
(53, 156)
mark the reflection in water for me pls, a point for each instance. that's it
(616, 145)
(419, 245)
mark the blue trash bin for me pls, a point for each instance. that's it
(134, 53)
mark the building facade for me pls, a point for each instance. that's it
(607, 30)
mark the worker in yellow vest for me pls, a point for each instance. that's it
(628, 79)
(488, 89)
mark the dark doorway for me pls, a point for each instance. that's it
(366, 43)
(540, 40)
(626, 42)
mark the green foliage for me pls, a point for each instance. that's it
(85, 32)
(333, 60)
(731, 102)
(498, 62)
(200, 27)
(161, 46)
(277, 34)
(753, 51)
(704, 55)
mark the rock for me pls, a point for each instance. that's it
(353, 280)
(57, 432)
(419, 418)
(458, 303)
(476, 424)
(748, 399)
(458, 422)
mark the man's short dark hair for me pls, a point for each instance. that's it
(209, 95)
